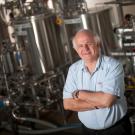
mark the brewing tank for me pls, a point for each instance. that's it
(97, 20)
(39, 36)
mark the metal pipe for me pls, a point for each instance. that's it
(44, 123)
(53, 127)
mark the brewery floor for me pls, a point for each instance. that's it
(66, 132)
(76, 131)
(57, 133)
(71, 125)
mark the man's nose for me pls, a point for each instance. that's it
(86, 46)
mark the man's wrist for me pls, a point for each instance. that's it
(75, 94)
(96, 107)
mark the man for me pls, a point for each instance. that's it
(95, 89)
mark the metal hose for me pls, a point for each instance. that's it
(53, 127)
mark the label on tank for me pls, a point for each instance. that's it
(20, 29)
(20, 26)
(72, 21)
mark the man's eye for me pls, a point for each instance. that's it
(90, 44)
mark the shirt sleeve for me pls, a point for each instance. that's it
(70, 84)
(114, 80)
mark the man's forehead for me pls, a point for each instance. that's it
(84, 37)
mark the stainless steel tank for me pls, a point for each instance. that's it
(39, 36)
(3, 31)
(7, 61)
(97, 20)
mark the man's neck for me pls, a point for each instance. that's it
(91, 65)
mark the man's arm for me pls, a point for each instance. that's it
(77, 105)
(86, 100)
(100, 99)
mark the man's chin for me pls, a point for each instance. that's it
(87, 59)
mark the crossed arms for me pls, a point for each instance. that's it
(84, 100)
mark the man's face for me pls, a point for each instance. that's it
(86, 46)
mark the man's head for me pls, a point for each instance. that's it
(87, 45)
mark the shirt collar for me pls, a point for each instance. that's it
(98, 64)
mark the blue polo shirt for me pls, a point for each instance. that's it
(107, 77)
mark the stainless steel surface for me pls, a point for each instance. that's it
(7, 61)
(98, 21)
(38, 36)
(120, 32)
(3, 32)
(37, 72)
(73, 7)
